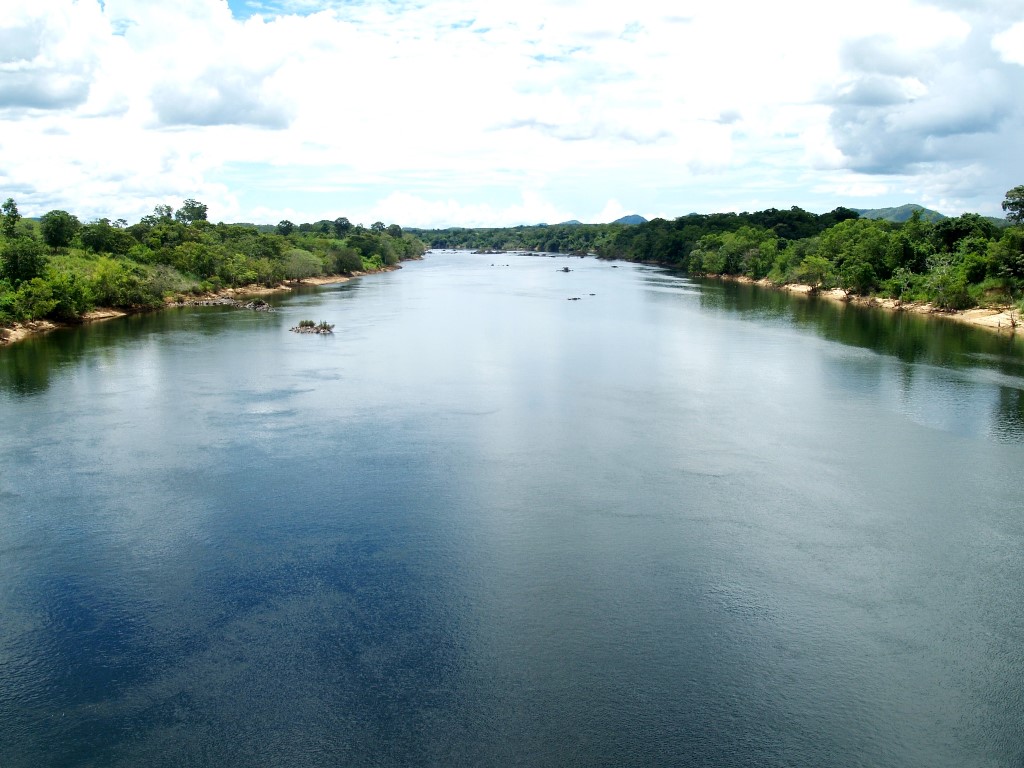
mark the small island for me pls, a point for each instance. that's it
(308, 326)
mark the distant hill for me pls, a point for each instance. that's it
(900, 214)
(904, 212)
(633, 219)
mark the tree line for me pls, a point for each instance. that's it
(954, 263)
(59, 268)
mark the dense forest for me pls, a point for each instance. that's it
(954, 263)
(59, 268)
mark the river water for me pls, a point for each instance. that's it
(672, 522)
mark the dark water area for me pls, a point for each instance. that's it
(673, 522)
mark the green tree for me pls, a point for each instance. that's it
(1014, 205)
(708, 257)
(59, 228)
(160, 213)
(900, 282)
(789, 259)
(102, 237)
(22, 259)
(300, 264)
(378, 226)
(34, 299)
(70, 294)
(916, 244)
(8, 302)
(190, 212)
(196, 259)
(9, 218)
(947, 284)
(341, 226)
(862, 252)
(285, 227)
(117, 283)
(859, 276)
(237, 269)
(346, 260)
(364, 242)
(388, 254)
(948, 232)
(815, 271)
(1007, 254)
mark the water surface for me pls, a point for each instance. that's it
(672, 522)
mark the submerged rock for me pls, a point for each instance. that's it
(257, 305)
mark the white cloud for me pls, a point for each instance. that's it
(612, 210)
(460, 112)
(414, 211)
(47, 53)
(1010, 44)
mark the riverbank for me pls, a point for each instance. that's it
(1003, 319)
(232, 295)
(21, 331)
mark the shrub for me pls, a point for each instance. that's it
(71, 295)
(196, 259)
(300, 263)
(102, 237)
(164, 281)
(948, 286)
(237, 270)
(268, 272)
(117, 283)
(346, 260)
(34, 300)
(815, 271)
(371, 263)
(22, 259)
(8, 296)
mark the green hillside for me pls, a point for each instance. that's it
(900, 213)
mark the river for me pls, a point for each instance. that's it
(512, 515)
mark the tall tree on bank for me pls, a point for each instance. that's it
(342, 226)
(10, 218)
(22, 259)
(191, 211)
(59, 228)
(1014, 205)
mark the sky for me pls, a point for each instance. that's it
(465, 113)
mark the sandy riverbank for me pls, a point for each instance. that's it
(20, 331)
(254, 289)
(999, 319)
